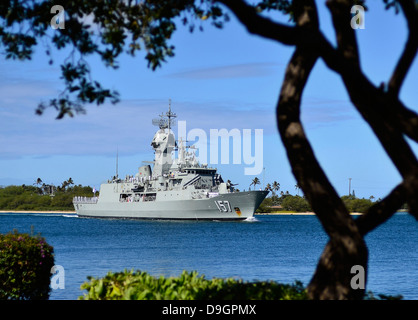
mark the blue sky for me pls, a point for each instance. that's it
(218, 79)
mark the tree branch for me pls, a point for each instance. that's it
(265, 27)
(346, 38)
(410, 51)
(346, 246)
(382, 210)
(322, 196)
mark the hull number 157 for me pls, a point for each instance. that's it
(223, 205)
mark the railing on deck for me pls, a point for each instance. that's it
(85, 200)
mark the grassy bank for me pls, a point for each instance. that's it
(40, 199)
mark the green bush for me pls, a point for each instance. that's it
(33, 198)
(354, 204)
(25, 266)
(265, 206)
(130, 285)
(295, 203)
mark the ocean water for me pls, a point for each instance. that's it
(279, 248)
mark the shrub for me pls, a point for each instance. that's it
(357, 205)
(265, 206)
(25, 266)
(33, 198)
(130, 285)
(295, 203)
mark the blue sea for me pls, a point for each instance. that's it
(282, 248)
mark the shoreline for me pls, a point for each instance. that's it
(36, 211)
(256, 214)
(298, 214)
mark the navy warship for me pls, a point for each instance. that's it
(175, 188)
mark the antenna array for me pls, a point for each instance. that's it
(166, 120)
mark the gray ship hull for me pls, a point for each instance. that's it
(228, 206)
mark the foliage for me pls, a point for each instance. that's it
(25, 266)
(106, 30)
(37, 198)
(354, 204)
(286, 201)
(255, 182)
(265, 206)
(295, 203)
(130, 285)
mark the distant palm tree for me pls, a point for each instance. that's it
(38, 181)
(70, 182)
(268, 187)
(297, 187)
(63, 185)
(255, 182)
(66, 184)
(275, 187)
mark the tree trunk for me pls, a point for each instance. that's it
(334, 275)
(346, 248)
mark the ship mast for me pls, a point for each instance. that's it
(170, 115)
(163, 142)
(166, 121)
(117, 165)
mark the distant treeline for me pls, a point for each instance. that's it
(288, 202)
(44, 197)
(49, 197)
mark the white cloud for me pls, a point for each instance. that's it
(127, 125)
(246, 70)
(319, 112)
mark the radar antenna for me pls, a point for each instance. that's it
(166, 120)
